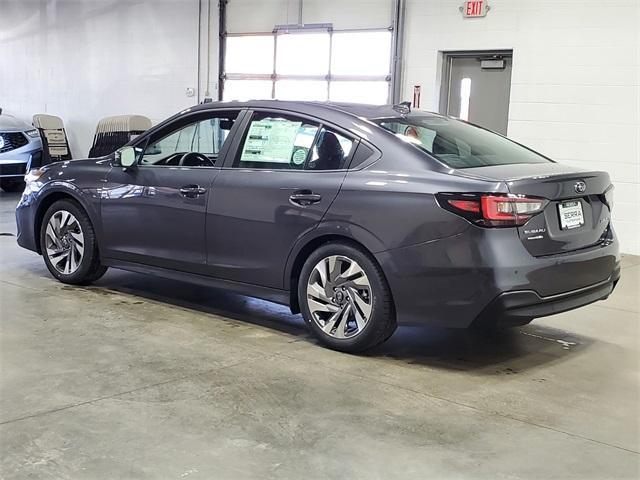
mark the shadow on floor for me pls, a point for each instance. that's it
(203, 299)
(520, 348)
(486, 353)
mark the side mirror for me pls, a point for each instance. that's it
(126, 157)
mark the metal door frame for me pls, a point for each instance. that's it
(447, 60)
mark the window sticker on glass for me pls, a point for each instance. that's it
(270, 140)
(300, 155)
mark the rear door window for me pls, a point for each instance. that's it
(330, 151)
(284, 142)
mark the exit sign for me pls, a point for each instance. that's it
(474, 8)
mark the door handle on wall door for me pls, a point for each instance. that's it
(304, 198)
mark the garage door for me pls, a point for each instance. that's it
(345, 57)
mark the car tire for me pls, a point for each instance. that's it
(349, 307)
(10, 185)
(69, 245)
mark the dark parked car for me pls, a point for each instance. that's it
(360, 217)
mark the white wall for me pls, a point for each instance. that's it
(262, 16)
(575, 83)
(87, 59)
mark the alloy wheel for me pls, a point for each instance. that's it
(339, 296)
(64, 242)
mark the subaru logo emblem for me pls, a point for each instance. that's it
(580, 187)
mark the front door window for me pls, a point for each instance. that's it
(197, 144)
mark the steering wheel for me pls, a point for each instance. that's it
(195, 159)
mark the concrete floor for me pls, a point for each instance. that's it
(140, 377)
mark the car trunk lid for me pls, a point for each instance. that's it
(577, 215)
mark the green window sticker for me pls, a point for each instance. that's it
(300, 155)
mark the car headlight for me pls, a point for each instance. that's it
(33, 180)
(32, 133)
(34, 175)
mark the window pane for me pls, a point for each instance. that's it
(459, 144)
(376, 93)
(330, 152)
(302, 54)
(247, 89)
(250, 54)
(210, 135)
(276, 142)
(465, 96)
(301, 90)
(361, 53)
(203, 139)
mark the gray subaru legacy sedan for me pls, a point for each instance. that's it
(359, 217)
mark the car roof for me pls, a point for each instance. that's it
(354, 109)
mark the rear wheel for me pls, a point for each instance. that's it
(12, 185)
(69, 245)
(345, 299)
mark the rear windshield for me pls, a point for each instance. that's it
(459, 144)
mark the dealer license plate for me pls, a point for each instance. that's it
(571, 215)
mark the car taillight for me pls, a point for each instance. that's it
(607, 197)
(492, 209)
(466, 205)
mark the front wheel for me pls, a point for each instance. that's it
(345, 299)
(69, 245)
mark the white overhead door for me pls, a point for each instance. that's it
(312, 61)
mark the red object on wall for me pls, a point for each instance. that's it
(416, 96)
(474, 8)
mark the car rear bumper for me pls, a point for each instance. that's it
(487, 276)
(520, 307)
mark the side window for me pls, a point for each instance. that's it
(276, 142)
(330, 151)
(197, 144)
(290, 143)
(361, 155)
(424, 135)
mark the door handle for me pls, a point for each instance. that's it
(304, 198)
(192, 191)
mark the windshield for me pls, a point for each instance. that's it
(458, 144)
